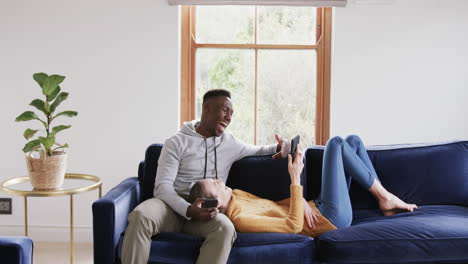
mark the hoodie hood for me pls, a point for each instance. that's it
(189, 128)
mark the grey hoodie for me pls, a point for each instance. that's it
(188, 157)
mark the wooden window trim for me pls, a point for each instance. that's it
(323, 48)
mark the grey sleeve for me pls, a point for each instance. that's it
(251, 150)
(168, 167)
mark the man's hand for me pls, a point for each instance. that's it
(196, 212)
(310, 216)
(283, 148)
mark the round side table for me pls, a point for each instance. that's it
(74, 183)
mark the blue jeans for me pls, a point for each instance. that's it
(343, 160)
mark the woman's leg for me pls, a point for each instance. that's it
(340, 163)
(388, 203)
(358, 147)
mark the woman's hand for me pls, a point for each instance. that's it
(295, 168)
(310, 216)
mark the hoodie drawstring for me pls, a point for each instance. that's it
(216, 158)
(206, 158)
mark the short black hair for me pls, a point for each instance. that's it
(215, 93)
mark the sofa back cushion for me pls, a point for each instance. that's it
(422, 174)
(262, 176)
(259, 175)
(147, 171)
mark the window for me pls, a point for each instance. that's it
(274, 60)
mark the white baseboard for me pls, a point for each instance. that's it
(81, 234)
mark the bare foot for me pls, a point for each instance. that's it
(394, 205)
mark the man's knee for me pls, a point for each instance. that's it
(224, 229)
(151, 214)
(139, 221)
(147, 209)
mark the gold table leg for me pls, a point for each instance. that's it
(71, 228)
(25, 215)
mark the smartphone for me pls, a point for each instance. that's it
(294, 142)
(209, 203)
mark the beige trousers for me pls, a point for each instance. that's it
(154, 216)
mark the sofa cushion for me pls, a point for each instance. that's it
(435, 234)
(262, 176)
(272, 248)
(248, 248)
(433, 174)
(147, 171)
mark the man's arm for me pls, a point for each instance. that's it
(168, 167)
(252, 150)
(281, 149)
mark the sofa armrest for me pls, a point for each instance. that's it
(110, 218)
(16, 250)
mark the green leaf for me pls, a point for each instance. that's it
(66, 113)
(31, 145)
(60, 98)
(53, 94)
(39, 104)
(29, 133)
(57, 129)
(60, 147)
(51, 83)
(47, 142)
(26, 116)
(40, 77)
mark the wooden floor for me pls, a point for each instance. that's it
(59, 253)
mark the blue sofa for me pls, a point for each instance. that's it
(16, 250)
(433, 176)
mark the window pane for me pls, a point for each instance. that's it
(225, 24)
(286, 25)
(286, 95)
(233, 70)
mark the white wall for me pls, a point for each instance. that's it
(121, 63)
(400, 71)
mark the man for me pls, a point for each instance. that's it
(200, 150)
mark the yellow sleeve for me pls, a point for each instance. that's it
(293, 223)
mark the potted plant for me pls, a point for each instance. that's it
(48, 170)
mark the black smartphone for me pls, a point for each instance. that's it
(209, 203)
(294, 142)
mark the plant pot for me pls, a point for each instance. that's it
(47, 173)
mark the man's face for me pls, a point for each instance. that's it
(218, 112)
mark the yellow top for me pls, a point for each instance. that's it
(250, 213)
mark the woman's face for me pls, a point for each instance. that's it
(217, 189)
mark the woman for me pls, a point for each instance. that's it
(342, 159)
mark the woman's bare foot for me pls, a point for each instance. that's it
(393, 205)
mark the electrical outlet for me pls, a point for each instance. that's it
(5, 205)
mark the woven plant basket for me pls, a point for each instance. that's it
(47, 173)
